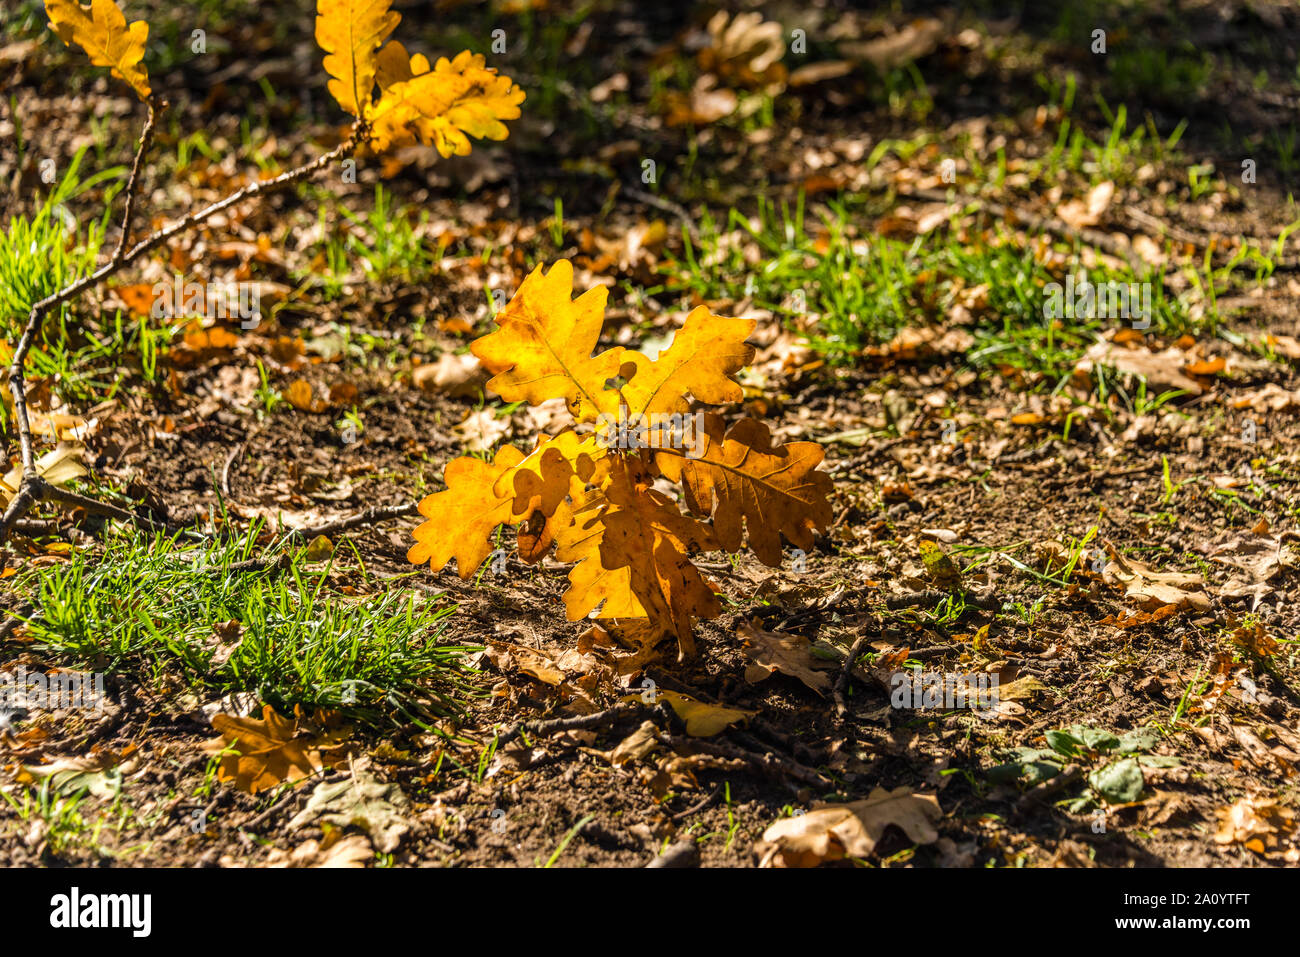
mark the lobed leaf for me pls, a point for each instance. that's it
(745, 483)
(101, 30)
(442, 107)
(350, 32)
(706, 352)
(632, 548)
(542, 347)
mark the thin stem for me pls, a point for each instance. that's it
(33, 488)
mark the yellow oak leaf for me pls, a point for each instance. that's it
(769, 492)
(705, 353)
(441, 107)
(702, 720)
(461, 520)
(542, 347)
(101, 30)
(631, 545)
(350, 32)
(541, 481)
(393, 65)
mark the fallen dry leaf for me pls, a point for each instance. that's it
(1154, 589)
(261, 754)
(771, 651)
(836, 831)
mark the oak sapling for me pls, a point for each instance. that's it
(591, 493)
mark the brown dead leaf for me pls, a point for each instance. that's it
(1162, 370)
(771, 651)
(261, 754)
(1260, 824)
(834, 832)
(458, 376)
(1154, 589)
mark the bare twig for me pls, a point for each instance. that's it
(369, 517)
(33, 488)
(842, 683)
(699, 805)
(146, 137)
(580, 723)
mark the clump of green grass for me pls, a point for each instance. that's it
(41, 255)
(148, 610)
(865, 288)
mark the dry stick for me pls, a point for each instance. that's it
(368, 517)
(33, 488)
(581, 723)
(842, 683)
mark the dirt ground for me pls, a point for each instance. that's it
(1008, 472)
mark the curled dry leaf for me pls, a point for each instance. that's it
(836, 831)
(1154, 589)
(771, 651)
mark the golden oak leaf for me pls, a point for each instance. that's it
(441, 107)
(705, 353)
(461, 520)
(770, 491)
(393, 65)
(542, 347)
(350, 31)
(631, 545)
(541, 481)
(103, 33)
(260, 754)
(542, 477)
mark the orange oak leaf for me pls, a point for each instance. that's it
(101, 30)
(442, 107)
(706, 352)
(542, 347)
(742, 481)
(632, 547)
(461, 520)
(350, 32)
